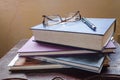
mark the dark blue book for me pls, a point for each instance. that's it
(77, 34)
(89, 62)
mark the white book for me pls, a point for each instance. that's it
(26, 63)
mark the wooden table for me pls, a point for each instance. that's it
(110, 73)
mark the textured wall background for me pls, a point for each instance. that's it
(17, 16)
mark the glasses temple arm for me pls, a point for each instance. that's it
(78, 12)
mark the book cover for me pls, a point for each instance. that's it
(77, 33)
(27, 63)
(110, 47)
(88, 62)
(19, 63)
(32, 48)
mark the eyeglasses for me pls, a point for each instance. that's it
(72, 17)
(56, 19)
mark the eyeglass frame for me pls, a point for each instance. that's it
(65, 20)
(84, 20)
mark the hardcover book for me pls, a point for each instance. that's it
(27, 63)
(32, 48)
(88, 62)
(77, 33)
(20, 63)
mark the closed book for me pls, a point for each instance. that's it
(88, 62)
(22, 63)
(32, 48)
(26, 63)
(77, 34)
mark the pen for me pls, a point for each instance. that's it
(88, 23)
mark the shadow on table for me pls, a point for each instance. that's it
(103, 77)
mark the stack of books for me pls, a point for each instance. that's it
(70, 45)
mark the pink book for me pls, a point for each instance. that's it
(32, 48)
(110, 47)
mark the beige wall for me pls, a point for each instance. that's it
(17, 16)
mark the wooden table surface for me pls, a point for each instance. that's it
(110, 73)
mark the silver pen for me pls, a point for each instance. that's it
(88, 23)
